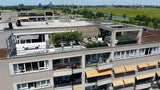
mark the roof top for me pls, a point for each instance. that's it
(46, 24)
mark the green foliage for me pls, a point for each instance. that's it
(124, 16)
(96, 44)
(66, 37)
(124, 38)
(150, 24)
(40, 14)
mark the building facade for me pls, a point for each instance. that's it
(33, 63)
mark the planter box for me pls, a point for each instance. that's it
(126, 42)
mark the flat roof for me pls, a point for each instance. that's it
(46, 24)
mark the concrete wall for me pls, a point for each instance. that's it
(8, 80)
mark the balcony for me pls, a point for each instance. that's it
(64, 88)
(103, 82)
(102, 66)
(68, 80)
(143, 86)
(66, 69)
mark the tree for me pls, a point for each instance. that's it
(124, 16)
(150, 24)
(110, 17)
(137, 17)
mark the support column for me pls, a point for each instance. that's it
(83, 71)
(113, 37)
(111, 57)
(139, 36)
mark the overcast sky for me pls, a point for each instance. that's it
(80, 2)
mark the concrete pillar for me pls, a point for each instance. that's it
(111, 57)
(139, 36)
(137, 53)
(83, 71)
(113, 38)
(46, 37)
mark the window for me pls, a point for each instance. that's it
(33, 85)
(30, 66)
(127, 54)
(117, 55)
(35, 65)
(123, 54)
(142, 52)
(94, 57)
(132, 53)
(154, 50)
(22, 86)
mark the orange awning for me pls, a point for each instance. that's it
(129, 80)
(119, 70)
(145, 76)
(130, 68)
(78, 89)
(23, 18)
(95, 73)
(117, 83)
(143, 65)
(158, 73)
(152, 63)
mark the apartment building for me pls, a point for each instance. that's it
(111, 56)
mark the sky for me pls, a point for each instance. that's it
(80, 2)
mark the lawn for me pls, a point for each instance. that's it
(130, 12)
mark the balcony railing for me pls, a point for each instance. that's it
(71, 83)
(143, 86)
(74, 65)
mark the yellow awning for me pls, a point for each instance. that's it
(129, 80)
(142, 65)
(145, 76)
(152, 63)
(78, 89)
(23, 18)
(95, 73)
(158, 73)
(130, 68)
(119, 70)
(117, 83)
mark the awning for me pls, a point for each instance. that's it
(129, 80)
(95, 73)
(130, 68)
(119, 70)
(158, 74)
(78, 89)
(117, 83)
(142, 65)
(23, 18)
(152, 63)
(145, 76)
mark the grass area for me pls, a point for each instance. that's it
(130, 12)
